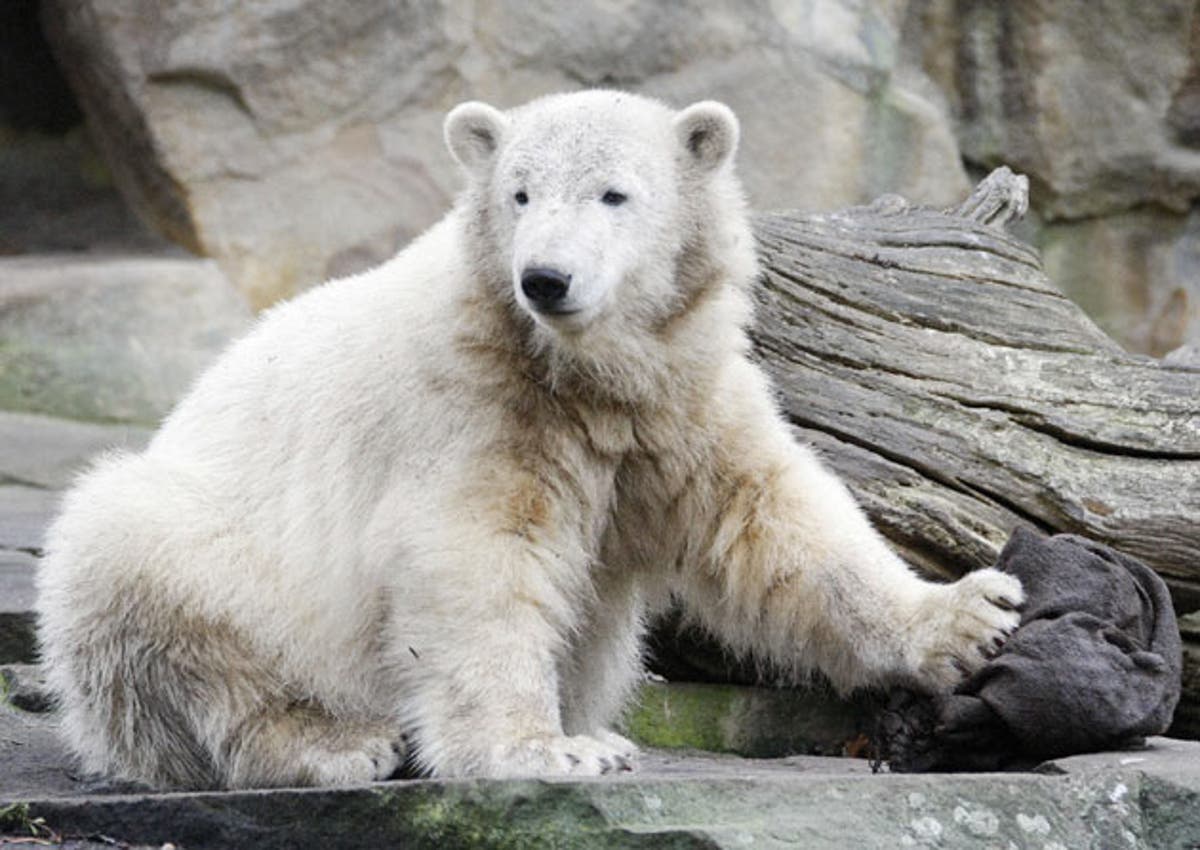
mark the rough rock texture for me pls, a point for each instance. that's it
(110, 338)
(295, 140)
(1136, 272)
(1099, 103)
(1096, 100)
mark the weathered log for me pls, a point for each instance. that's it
(928, 358)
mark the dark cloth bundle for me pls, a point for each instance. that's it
(1095, 664)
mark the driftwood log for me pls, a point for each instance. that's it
(930, 361)
(960, 394)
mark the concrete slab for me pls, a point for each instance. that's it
(47, 452)
(24, 514)
(704, 801)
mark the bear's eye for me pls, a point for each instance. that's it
(521, 198)
(613, 198)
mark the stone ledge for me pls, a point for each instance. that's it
(48, 452)
(1143, 799)
(1147, 798)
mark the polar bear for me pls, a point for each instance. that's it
(425, 512)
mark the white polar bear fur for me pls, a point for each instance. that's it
(410, 514)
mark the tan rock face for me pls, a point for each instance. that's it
(294, 140)
(1137, 273)
(1098, 101)
(1093, 99)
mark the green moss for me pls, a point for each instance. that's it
(754, 722)
(684, 716)
(510, 816)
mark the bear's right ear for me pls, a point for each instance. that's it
(708, 132)
(473, 131)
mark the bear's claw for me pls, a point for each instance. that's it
(960, 627)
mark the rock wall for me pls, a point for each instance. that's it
(297, 140)
(294, 140)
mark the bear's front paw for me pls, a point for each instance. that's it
(960, 626)
(560, 755)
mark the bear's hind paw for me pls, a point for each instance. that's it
(373, 759)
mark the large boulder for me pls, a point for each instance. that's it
(298, 140)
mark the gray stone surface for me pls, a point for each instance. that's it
(47, 452)
(110, 338)
(1096, 100)
(32, 759)
(16, 584)
(39, 455)
(293, 144)
(23, 686)
(1137, 799)
(24, 514)
(1137, 272)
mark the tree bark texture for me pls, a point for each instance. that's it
(926, 356)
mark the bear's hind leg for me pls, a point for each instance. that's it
(161, 695)
(605, 664)
(300, 743)
(205, 685)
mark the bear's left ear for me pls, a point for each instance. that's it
(473, 131)
(708, 132)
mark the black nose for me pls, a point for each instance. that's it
(544, 288)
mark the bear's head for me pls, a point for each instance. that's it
(603, 212)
